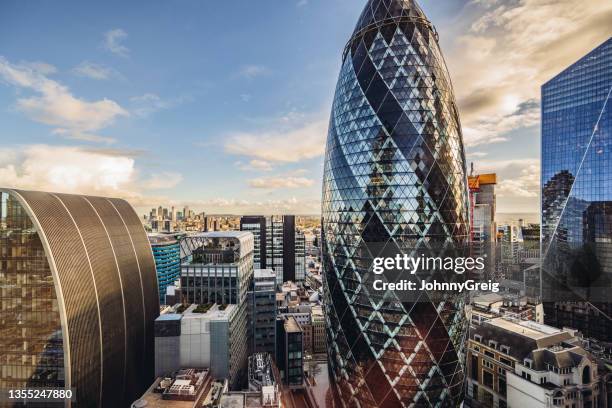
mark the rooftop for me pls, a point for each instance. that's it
(264, 273)
(292, 326)
(532, 330)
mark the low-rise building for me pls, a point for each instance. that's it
(183, 389)
(206, 336)
(514, 363)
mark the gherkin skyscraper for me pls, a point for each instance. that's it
(394, 174)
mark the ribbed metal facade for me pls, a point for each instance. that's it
(106, 288)
(394, 175)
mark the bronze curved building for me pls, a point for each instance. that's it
(78, 297)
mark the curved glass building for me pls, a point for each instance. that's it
(394, 174)
(167, 255)
(78, 297)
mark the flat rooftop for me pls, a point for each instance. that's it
(292, 326)
(532, 330)
(264, 273)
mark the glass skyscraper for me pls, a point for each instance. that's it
(78, 297)
(394, 174)
(577, 195)
(167, 255)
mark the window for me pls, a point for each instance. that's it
(487, 363)
(487, 378)
(489, 354)
(478, 338)
(475, 392)
(527, 363)
(493, 344)
(526, 376)
(504, 349)
(507, 362)
(474, 368)
(502, 386)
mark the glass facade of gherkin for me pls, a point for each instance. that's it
(394, 173)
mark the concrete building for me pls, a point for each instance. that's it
(318, 330)
(261, 379)
(217, 267)
(183, 389)
(204, 336)
(513, 363)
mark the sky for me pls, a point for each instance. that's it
(224, 105)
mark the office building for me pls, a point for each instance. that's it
(290, 351)
(394, 173)
(257, 226)
(216, 267)
(279, 246)
(207, 336)
(262, 312)
(167, 255)
(513, 363)
(319, 345)
(577, 195)
(78, 297)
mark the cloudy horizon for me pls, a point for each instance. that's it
(165, 105)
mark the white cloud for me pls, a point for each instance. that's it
(113, 42)
(274, 183)
(291, 140)
(71, 169)
(518, 178)
(302, 3)
(255, 165)
(164, 180)
(253, 71)
(246, 97)
(53, 104)
(94, 71)
(146, 104)
(502, 52)
(67, 169)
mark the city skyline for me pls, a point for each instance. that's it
(116, 108)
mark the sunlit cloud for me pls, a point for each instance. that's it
(290, 139)
(53, 104)
(274, 183)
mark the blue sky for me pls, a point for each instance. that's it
(223, 105)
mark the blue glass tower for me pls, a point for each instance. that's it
(394, 174)
(577, 195)
(167, 255)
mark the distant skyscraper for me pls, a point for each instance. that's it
(577, 194)
(394, 173)
(256, 225)
(78, 297)
(167, 255)
(279, 245)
